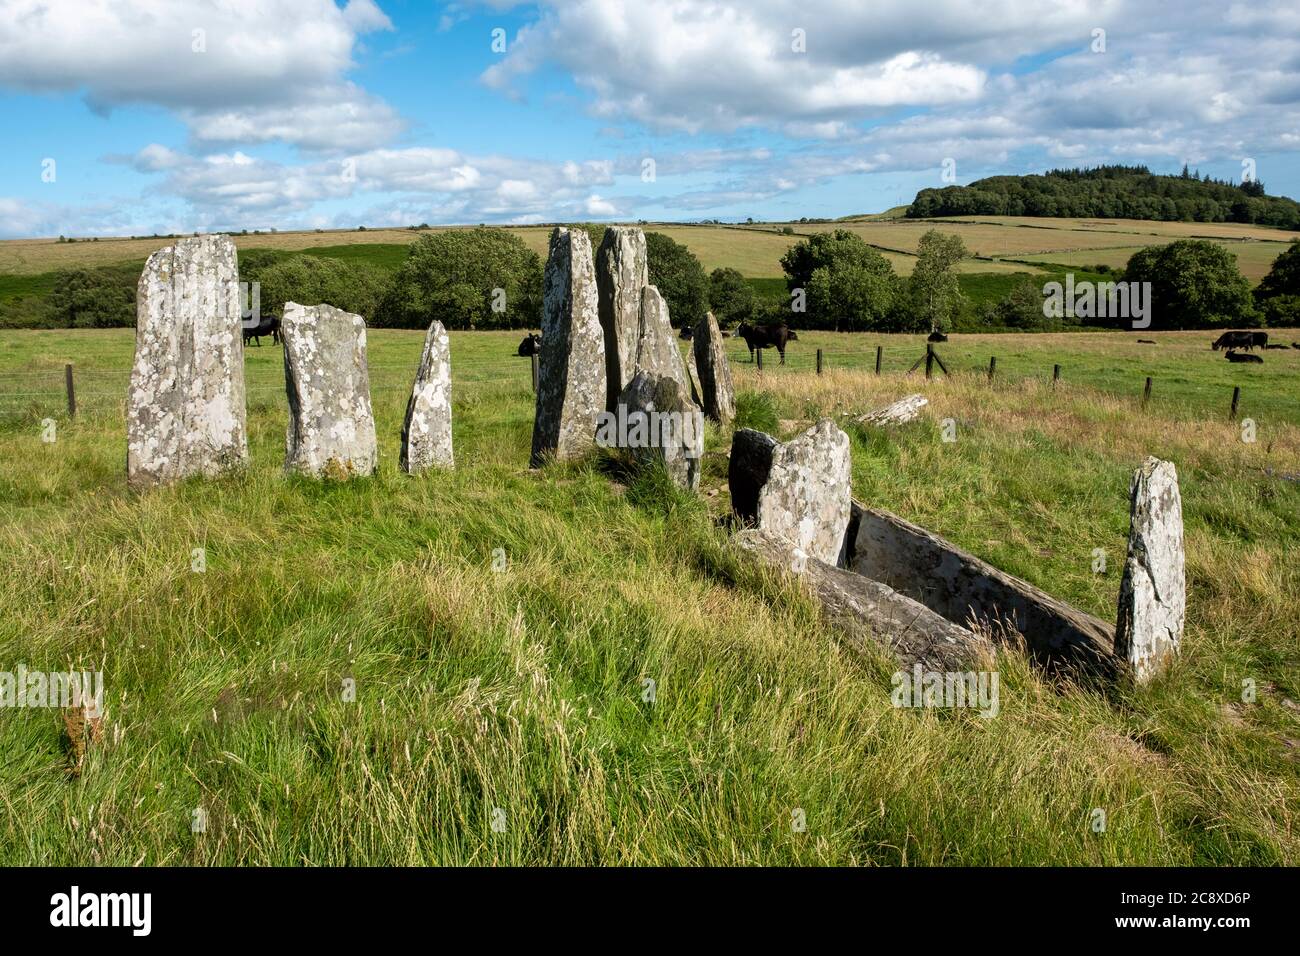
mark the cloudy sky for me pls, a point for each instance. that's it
(142, 116)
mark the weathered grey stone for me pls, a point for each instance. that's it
(716, 392)
(621, 273)
(331, 426)
(696, 391)
(1153, 590)
(903, 410)
(657, 422)
(571, 368)
(426, 432)
(867, 612)
(965, 590)
(799, 490)
(656, 349)
(185, 404)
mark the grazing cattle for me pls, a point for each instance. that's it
(1146, 341)
(1240, 340)
(1275, 345)
(268, 325)
(936, 336)
(687, 332)
(766, 336)
(531, 345)
(1295, 345)
(1239, 357)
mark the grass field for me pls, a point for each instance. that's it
(522, 689)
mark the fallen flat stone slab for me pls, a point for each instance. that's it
(798, 490)
(867, 612)
(331, 429)
(571, 366)
(965, 590)
(1153, 590)
(185, 410)
(426, 431)
(904, 410)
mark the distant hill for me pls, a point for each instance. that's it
(1111, 192)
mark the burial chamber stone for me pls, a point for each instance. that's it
(713, 371)
(185, 403)
(622, 271)
(331, 431)
(426, 431)
(656, 422)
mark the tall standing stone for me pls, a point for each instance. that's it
(658, 422)
(656, 349)
(185, 405)
(799, 491)
(426, 432)
(1153, 591)
(331, 430)
(571, 368)
(717, 394)
(622, 271)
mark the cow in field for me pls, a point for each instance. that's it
(1295, 345)
(1240, 340)
(766, 336)
(686, 332)
(1239, 357)
(267, 325)
(936, 336)
(1275, 345)
(1146, 341)
(530, 345)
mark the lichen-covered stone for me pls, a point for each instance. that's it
(571, 367)
(656, 421)
(798, 491)
(331, 430)
(621, 273)
(904, 410)
(717, 395)
(426, 431)
(656, 350)
(185, 404)
(1153, 590)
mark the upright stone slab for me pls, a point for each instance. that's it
(798, 491)
(571, 367)
(714, 372)
(656, 349)
(656, 421)
(185, 404)
(1153, 591)
(331, 426)
(426, 432)
(621, 273)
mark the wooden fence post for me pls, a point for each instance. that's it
(72, 392)
(880, 351)
(534, 364)
(929, 359)
(993, 364)
(1056, 375)
(759, 358)
(819, 361)
(1236, 396)
(1146, 392)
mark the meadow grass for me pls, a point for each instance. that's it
(524, 688)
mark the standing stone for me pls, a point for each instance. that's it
(571, 367)
(622, 271)
(656, 350)
(657, 422)
(798, 491)
(1153, 592)
(426, 432)
(331, 426)
(185, 405)
(716, 392)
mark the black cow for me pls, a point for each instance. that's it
(531, 345)
(1146, 341)
(1240, 340)
(1295, 345)
(267, 325)
(1275, 345)
(687, 332)
(936, 336)
(766, 336)
(1239, 357)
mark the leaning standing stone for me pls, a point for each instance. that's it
(716, 392)
(1153, 591)
(656, 421)
(622, 271)
(656, 350)
(571, 366)
(426, 432)
(185, 406)
(799, 491)
(331, 426)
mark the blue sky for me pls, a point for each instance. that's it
(183, 115)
